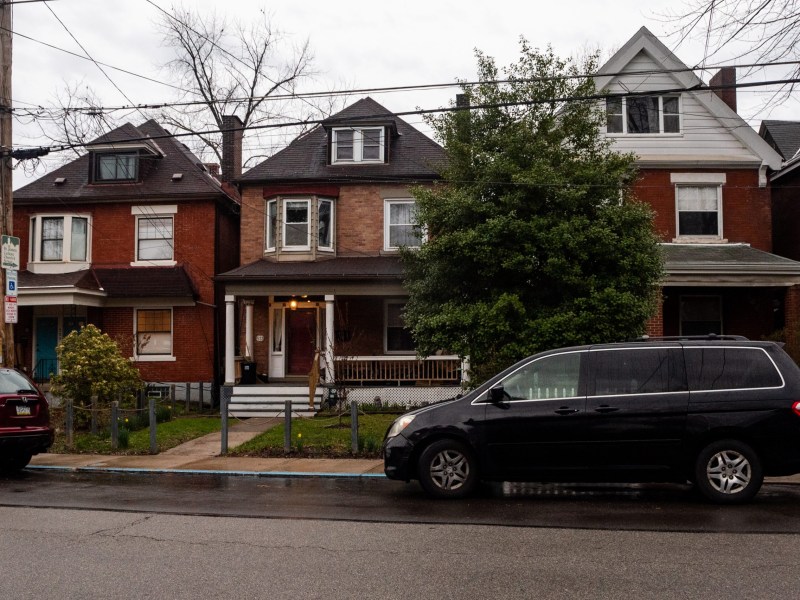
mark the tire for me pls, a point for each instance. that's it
(728, 472)
(15, 462)
(447, 469)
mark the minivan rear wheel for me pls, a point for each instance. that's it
(447, 469)
(728, 472)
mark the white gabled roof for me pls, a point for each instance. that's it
(644, 41)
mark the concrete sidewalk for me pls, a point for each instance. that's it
(201, 455)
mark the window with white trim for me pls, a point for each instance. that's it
(358, 145)
(698, 210)
(154, 238)
(154, 332)
(296, 224)
(400, 224)
(398, 339)
(325, 224)
(643, 114)
(272, 224)
(59, 239)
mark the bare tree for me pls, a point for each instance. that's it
(233, 68)
(760, 31)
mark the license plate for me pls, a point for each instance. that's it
(23, 411)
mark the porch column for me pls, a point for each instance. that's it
(248, 329)
(329, 337)
(465, 367)
(230, 324)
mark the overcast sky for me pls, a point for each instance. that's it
(356, 43)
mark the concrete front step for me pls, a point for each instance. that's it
(270, 401)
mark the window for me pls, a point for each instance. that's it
(354, 144)
(58, 239)
(555, 376)
(272, 224)
(700, 315)
(154, 241)
(401, 225)
(154, 332)
(638, 371)
(325, 225)
(116, 167)
(698, 208)
(643, 114)
(398, 338)
(730, 369)
(296, 234)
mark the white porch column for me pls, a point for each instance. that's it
(465, 366)
(248, 329)
(230, 325)
(329, 337)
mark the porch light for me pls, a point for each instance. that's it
(293, 304)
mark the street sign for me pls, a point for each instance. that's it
(10, 254)
(11, 282)
(11, 314)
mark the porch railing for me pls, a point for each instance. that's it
(398, 370)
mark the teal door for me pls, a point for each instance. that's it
(46, 341)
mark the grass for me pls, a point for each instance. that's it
(168, 435)
(324, 435)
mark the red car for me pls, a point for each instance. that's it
(24, 421)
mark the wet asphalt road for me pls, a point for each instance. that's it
(604, 507)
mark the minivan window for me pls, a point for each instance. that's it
(730, 369)
(638, 371)
(555, 376)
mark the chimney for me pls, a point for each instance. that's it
(232, 133)
(212, 168)
(726, 77)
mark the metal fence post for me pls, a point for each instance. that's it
(201, 402)
(114, 425)
(153, 445)
(69, 425)
(223, 411)
(287, 426)
(188, 394)
(94, 415)
(354, 426)
(172, 397)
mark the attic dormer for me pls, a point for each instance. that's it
(121, 162)
(359, 142)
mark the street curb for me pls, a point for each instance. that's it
(207, 472)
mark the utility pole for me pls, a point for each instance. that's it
(7, 358)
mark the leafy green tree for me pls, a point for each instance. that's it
(91, 364)
(534, 238)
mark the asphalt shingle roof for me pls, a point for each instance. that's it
(374, 267)
(125, 282)
(784, 136)
(156, 182)
(725, 258)
(412, 155)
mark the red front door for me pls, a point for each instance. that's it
(301, 329)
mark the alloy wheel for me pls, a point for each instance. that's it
(449, 469)
(729, 472)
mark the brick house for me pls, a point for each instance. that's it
(128, 237)
(705, 173)
(784, 137)
(322, 224)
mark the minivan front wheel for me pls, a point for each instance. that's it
(15, 462)
(728, 472)
(447, 469)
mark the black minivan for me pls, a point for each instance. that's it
(721, 412)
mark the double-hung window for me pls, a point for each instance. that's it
(398, 338)
(358, 144)
(155, 235)
(643, 114)
(58, 239)
(325, 224)
(400, 225)
(698, 210)
(296, 224)
(154, 332)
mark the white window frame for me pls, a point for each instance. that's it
(284, 207)
(387, 203)
(319, 203)
(268, 232)
(154, 357)
(38, 265)
(708, 180)
(661, 132)
(386, 304)
(153, 212)
(358, 145)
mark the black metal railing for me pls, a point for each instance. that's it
(44, 369)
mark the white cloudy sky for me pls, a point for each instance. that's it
(356, 43)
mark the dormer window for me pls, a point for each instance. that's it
(643, 114)
(358, 145)
(112, 167)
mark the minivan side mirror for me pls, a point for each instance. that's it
(497, 394)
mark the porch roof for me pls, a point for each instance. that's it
(727, 264)
(123, 282)
(340, 268)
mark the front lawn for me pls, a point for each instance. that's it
(168, 435)
(324, 435)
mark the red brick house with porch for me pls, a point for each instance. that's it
(322, 224)
(705, 173)
(128, 237)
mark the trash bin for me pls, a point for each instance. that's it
(248, 373)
